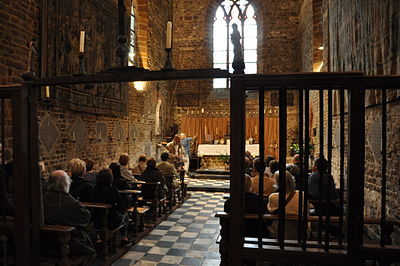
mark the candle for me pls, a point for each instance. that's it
(202, 110)
(100, 135)
(73, 136)
(169, 35)
(47, 92)
(82, 42)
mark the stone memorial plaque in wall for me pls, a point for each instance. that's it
(101, 131)
(79, 133)
(48, 133)
(375, 139)
(119, 132)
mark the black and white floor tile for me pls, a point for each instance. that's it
(221, 184)
(187, 237)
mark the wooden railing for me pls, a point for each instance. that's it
(352, 120)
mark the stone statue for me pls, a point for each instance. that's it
(238, 60)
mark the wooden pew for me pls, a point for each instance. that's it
(105, 233)
(63, 234)
(150, 195)
(224, 236)
(137, 213)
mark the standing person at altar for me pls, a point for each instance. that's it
(175, 147)
(185, 141)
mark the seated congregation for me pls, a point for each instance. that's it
(268, 202)
(109, 209)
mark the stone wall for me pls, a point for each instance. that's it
(365, 36)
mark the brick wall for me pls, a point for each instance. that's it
(192, 48)
(20, 26)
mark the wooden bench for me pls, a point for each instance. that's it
(223, 240)
(104, 232)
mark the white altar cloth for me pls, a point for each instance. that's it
(220, 149)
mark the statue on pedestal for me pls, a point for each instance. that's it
(238, 59)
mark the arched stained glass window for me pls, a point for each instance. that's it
(131, 55)
(243, 14)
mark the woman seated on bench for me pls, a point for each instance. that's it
(104, 192)
(291, 207)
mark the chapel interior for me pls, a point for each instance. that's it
(305, 93)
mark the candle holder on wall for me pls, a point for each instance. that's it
(168, 63)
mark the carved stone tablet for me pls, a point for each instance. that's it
(48, 133)
(375, 139)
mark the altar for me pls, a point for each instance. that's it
(217, 155)
(223, 149)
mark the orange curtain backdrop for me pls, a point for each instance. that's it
(271, 133)
(213, 128)
(219, 127)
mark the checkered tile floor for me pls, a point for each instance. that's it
(209, 183)
(187, 237)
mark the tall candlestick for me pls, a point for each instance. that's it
(169, 35)
(47, 92)
(82, 42)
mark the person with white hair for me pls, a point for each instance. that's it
(60, 208)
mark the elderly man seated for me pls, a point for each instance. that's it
(60, 208)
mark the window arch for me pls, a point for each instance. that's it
(132, 35)
(243, 14)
